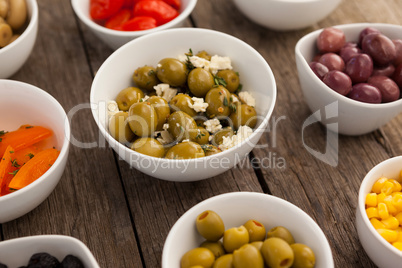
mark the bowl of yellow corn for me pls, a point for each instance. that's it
(379, 213)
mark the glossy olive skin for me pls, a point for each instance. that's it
(128, 97)
(256, 230)
(145, 77)
(218, 99)
(119, 128)
(215, 247)
(203, 54)
(172, 71)
(234, 238)
(281, 232)
(142, 119)
(210, 225)
(182, 126)
(257, 244)
(210, 149)
(185, 150)
(277, 253)
(148, 146)
(247, 256)
(162, 109)
(303, 256)
(231, 78)
(217, 138)
(197, 256)
(244, 115)
(200, 81)
(202, 136)
(225, 261)
(180, 102)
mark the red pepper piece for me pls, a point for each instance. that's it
(139, 23)
(174, 3)
(104, 9)
(159, 10)
(118, 19)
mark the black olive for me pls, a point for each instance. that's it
(43, 260)
(71, 261)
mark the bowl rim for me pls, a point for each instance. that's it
(33, 21)
(243, 194)
(362, 198)
(63, 238)
(305, 64)
(64, 147)
(256, 131)
(92, 24)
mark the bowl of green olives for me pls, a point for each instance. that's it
(246, 229)
(185, 112)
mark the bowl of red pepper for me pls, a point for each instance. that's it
(116, 22)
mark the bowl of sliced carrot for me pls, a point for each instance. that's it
(34, 144)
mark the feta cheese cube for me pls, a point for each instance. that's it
(199, 105)
(247, 98)
(219, 63)
(165, 91)
(212, 125)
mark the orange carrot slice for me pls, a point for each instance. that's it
(7, 169)
(24, 155)
(23, 137)
(34, 168)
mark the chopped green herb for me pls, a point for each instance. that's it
(2, 132)
(199, 135)
(14, 163)
(225, 101)
(220, 81)
(189, 65)
(239, 89)
(29, 127)
(233, 107)
(30, 155)
(14, 172)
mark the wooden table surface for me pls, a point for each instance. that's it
(124, 216)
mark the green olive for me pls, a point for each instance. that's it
(257, 244)
(6, 34)
(185, 150)
(128, 97)
(181, 102)
(202, 136)
(149, 146)
(162, 109)
(247, 256)
(303, 256)
(225, 261)
(203, 54)
(4, 6)
(217, 138)
(218, 99)
(277, 253)
(244, 115)
(119, 127)
(215, 247)
(142, 119)
(210, 225)
(210, 149)
(234, 238)
(17, 14)
(182, 126)
(200, 81)
(281, 232)
(231, 78)
(145, 77)
(197, 256)
(172, 71)
(256, 230)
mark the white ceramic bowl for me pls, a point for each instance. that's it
(13, 56)
(20, 104)
(235, 209)
(17, 252)
(382, 253)
(116, 39)
(284, 15)
(354, 117)
(116, 72)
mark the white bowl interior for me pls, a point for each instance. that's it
(116, 72)
(17, 252)
(235, 209)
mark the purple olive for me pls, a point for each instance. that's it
(398, 49)
(387, 70)
(388, 88)
(359, 68)
(338, 81)
(397, 76)
(319, 69)
(365, 93)
(332, 61)
(348, 52)
(366, 31)
(380, 48)
(330, 40)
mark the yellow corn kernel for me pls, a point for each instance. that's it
(387, 188)
(383, 211)
(399, 218)
(377, 224)
(391, 208)
(378, 185)
(397, 201)
(389, 235)
(397, 185)
(371, 200)
(399, 239)
(398, 245)
(381, 197)
(372, 213)
(391, 223)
